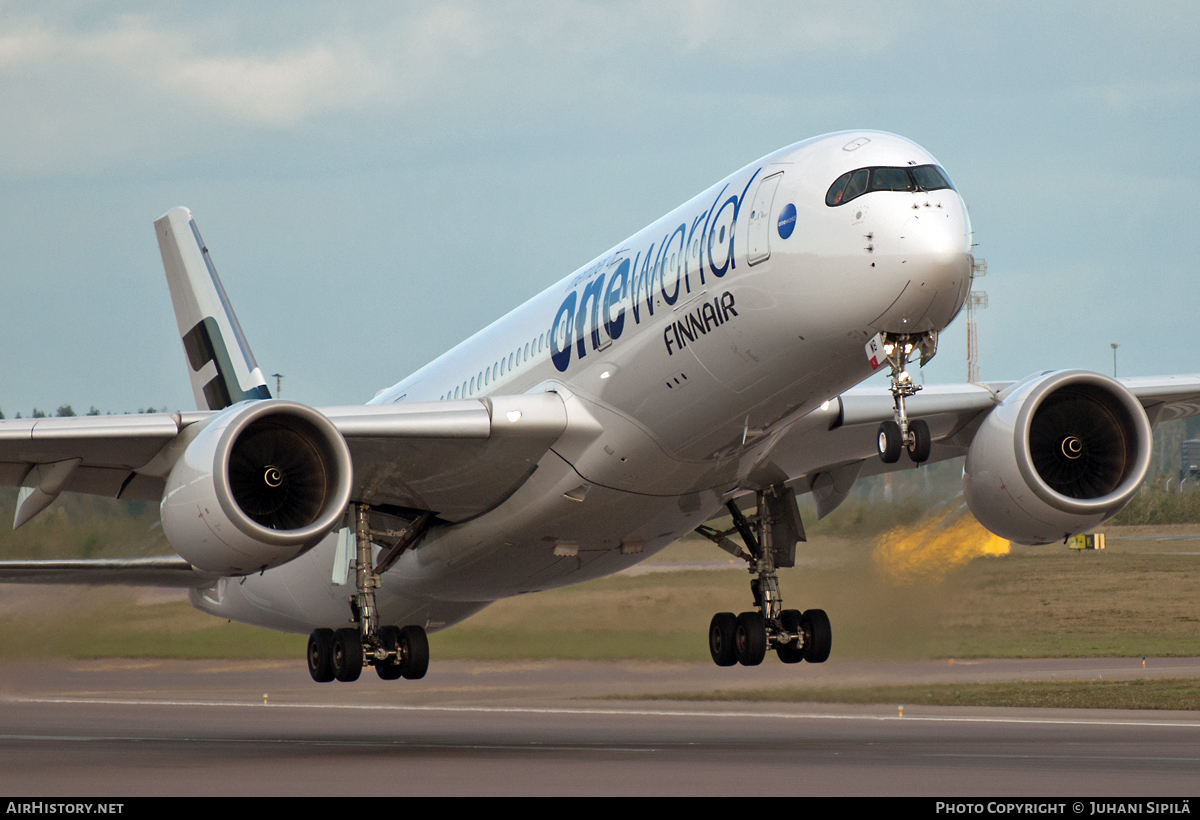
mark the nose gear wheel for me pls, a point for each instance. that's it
(896, 350)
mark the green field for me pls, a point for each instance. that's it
(902, 572)
(1136, 598)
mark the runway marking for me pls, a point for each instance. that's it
(535, 710)
(1068, 757)
(531, 746)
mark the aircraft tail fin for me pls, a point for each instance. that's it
(220, 364)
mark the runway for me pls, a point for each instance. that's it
(201, 728)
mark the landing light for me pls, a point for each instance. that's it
(513, 415)
(605, 374)
(824, 405)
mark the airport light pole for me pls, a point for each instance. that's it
(1114, 346)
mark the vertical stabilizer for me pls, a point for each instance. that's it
(220, 364)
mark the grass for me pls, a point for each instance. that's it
(105, 623)
(1159, 693)
(1032, 602)
(894, 585)
(1157, 503)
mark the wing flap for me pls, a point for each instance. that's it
(458, 459)
(101, 441)
(1170, 397)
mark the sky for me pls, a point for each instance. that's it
(377, 181)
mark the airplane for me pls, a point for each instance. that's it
(708, 366)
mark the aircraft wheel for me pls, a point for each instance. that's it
(750, 638)
(721, 639)
(320, 655)
(347, 655)
(890, 445)
(414, 647)
(921, 443)
(818, 635)
(790, 620)
(389, 636)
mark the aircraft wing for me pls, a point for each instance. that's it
(457, 459)
(828, 462)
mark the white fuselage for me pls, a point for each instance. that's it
(683, 354)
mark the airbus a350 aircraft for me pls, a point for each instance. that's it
(699, 369)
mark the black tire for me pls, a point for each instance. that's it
(347, 655)
(818, 635)
(721, 639)
(750, 638)
(890, 446)
(414, 649)
(921, 444)
(320, 655)
(389, 636)
(790, 620)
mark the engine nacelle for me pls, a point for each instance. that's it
(1062, 453)
(260, 485)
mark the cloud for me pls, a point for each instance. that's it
(86, 91)
(135, 56)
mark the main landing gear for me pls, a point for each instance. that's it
(770, 537)
(902, 434)
(395, 652)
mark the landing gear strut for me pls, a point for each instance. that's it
(770, 536)
(395, 652)
(902, 434)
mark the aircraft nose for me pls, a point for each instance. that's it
(932, 260)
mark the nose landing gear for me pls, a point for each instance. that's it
(901, 434)
(770, 536)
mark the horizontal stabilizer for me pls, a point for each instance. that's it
(221, 367)
(163, 571)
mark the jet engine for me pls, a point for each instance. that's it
(1063, 452)
(260, 485)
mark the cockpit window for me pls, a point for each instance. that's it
(854, 184)
(930, 178)
(891, 179)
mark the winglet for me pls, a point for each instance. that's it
(220, 364)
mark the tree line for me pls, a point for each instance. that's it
(67, 410)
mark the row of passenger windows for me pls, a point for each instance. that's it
(499, 368)
(854, 184)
